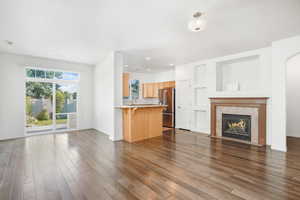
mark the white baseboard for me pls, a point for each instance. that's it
(294, 135)
(12, 138)
(42, 133)
(279, 148)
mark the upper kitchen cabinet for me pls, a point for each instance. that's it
(168, 84)
(172, 84)
(156, 87)
(150, 90)
(126, 92)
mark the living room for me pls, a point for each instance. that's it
(149, 100)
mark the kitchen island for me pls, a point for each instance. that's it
(142, 122)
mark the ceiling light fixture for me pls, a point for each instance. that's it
(125, 65)
(171, 65)
(147, 58)
(8, 42)
(197, 23)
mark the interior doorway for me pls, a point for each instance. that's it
(293, 99)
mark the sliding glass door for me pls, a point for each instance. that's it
(66, 106)
(51, 100)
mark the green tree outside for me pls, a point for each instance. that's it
(60, 101)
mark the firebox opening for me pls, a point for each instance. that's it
(236, 126)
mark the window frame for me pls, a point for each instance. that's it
(52, 81)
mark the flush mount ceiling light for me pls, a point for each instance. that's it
(125, 65)
(197, 23)
(148, 58)
(8, 42)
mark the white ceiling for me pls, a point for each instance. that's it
(83, 31)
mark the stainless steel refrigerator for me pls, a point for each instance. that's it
(167, 97)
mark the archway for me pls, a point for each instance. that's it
(282, 51)
(292, 100)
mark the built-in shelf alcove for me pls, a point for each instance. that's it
(240, 74)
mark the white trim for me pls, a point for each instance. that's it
(54, 107)
(50, 132)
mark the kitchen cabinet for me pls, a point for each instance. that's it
(142, 122)
(145, 90)
(150, 90)
(155, 89)
(126, 92)
(172, 84)
(169, 84)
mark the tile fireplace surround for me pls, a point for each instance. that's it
(254, 107)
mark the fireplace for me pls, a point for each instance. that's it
(236, 126)
(239, 119)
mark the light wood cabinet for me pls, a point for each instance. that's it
(145, 94)
(126, 92)
(172, 84)
(142, 123)
(150, 90)
(155, 89)
(169, 84)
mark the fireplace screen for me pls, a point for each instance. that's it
(236, 126)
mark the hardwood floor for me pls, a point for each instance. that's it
(87, 165)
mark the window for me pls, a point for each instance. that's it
(46, 74)
(135, 87)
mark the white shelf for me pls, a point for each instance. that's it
(203, 107)
(200, 123)
(199, 86)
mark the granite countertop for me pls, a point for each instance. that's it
(141, 106)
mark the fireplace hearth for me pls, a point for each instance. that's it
(236, 126)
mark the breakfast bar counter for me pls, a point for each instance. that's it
(142, 122)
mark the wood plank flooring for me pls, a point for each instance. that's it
(87, 165)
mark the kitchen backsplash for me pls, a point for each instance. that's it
(141, 101)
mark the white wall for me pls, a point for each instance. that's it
(293, 96)
(142, 77)
(12, 87)
(118, 96)
(184, 72)
(165, 76)
(104, 95)
(108, 95)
